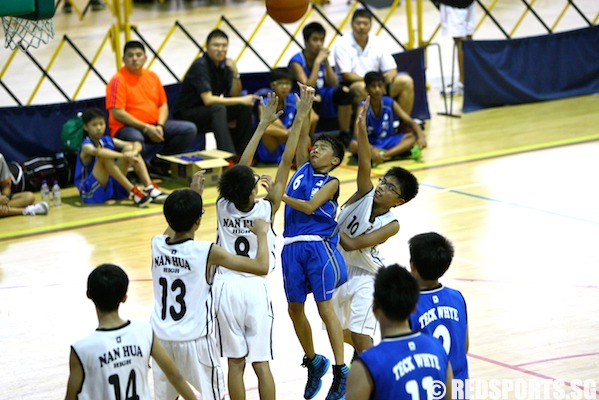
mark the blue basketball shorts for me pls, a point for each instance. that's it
(267, 157)
(312, 267)
(388, 142)
(93, 193)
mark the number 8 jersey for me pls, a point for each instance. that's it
(234, 235)
(183, 303)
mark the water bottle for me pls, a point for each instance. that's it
(45, 190)
(56, 201)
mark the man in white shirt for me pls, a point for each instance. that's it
(358, 53)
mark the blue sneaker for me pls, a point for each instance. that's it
(317, 367)
(337, 391)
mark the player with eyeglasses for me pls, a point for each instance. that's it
(366, 221)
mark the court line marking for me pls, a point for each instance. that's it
(375, 171)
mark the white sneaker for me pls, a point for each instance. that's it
(40, 208)
(453, 89)
(157, 195)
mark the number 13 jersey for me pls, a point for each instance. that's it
(183, 303)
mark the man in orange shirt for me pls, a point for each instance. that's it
(138, 107)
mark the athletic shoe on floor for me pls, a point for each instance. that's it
(317, 367)
(139, 197)
(40, 208)
(337, 391)
(157, 195)
(416, 153)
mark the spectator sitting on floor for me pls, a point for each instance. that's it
(272, 145)
(22, 203)
(387, 140)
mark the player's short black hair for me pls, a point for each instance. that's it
(133, 44)
(338, 149)
(373, 76)
(361, 13)
(92, 113)
(236, 185)
(280, 74)
(216, 33)
(312, 28)
(408, 184)
(107, 286)
(431, 254)
(182, 209)
(395, 292)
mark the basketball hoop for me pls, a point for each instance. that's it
(25, 33)
(27, 23)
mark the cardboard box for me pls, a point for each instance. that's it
(183, 166)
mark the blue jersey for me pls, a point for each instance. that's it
(404, 367)
(441, 312)
(289, 109)
(83, 171)
(327, 107)
(301, 60)
(303, 185)
(380, 126)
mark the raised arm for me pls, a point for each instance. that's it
(268, 116)
(304, 106)
(364, 156)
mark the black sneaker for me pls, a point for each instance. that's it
(337, 391)
(317, 367)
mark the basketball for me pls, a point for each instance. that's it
(286, 11)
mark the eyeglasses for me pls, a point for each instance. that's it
(257, 178)
(391, 187)
(219, 46)
(203, 211)
(282, 83)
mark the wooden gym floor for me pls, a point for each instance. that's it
(514, 188)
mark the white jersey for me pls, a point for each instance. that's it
(183, 303)
(116, 362)
(354, 220)
(234, 235)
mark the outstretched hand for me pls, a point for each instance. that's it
(269, 112)
(362, 110)
(305, 99)
(266, 182)
(197, 182)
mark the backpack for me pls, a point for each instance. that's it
(29, 174)
(72, 134)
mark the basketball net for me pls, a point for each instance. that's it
(25, 33)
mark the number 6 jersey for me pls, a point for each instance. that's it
(183, 303)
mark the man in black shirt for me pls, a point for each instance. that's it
(210, 97)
